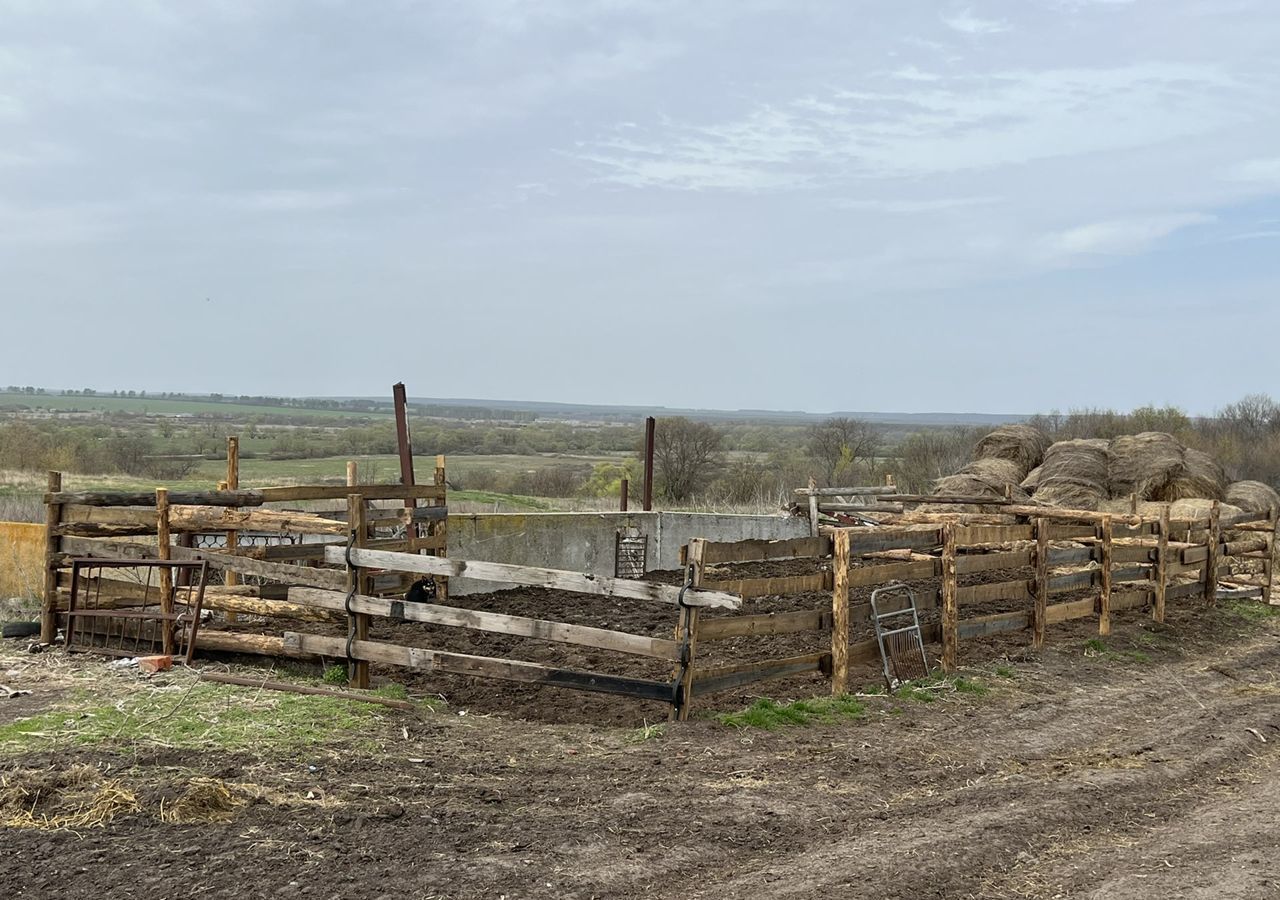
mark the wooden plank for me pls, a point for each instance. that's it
(1104, 606)
(1066, 556)
(599, 585)
(1077, 581)
(357, 583)
(494, 623)
(967, 535)
(1062, 612)
(871, 540)
(968, 564)
(281, 572)
(771, 587)
(950, 599)
(1040, 612)
(221, 518)
(254, 497)
(1191, 589)
(760, 550)
(315, 551)
(934, 498)
(999, 623)
(765, 624)
(840, 614)
(866, 576)
(987, 593)
(709, 681)
(1162, 567)
(1059, 532)
(478, 666)
(846, 492)
(52, 550)
(687, 628)
(341, 491)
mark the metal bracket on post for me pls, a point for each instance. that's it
(686, 643)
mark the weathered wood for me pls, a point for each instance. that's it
(252, 497)
(1162, 567)
(967, 535)
(760, 550)
(214, 518)
(771, 587)
(968, 564)
(166, 574)
(840, 614)
(950, 600)
(281, 572)
(494, 623)
(479, 666)
(599, 585)
(90, 529)
(998, 623)
(1039, 613)
(232, 483)
(846, 492)
(1191, 589)
(1241, 547)
(1062, 612)
(866, 576)
(1104, 605)
(687, 629)
(305, 689)
(867, 540)
(1072, 515)
(52, 549)
(1268, 565)
(721, 678)
(987, 593)
(765, 624)
(1212, 560)
(930, 498)
(357, 622)
(239, 598)
(211, 641)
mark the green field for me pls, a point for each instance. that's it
(161, 407)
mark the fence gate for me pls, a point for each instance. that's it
(631, 554)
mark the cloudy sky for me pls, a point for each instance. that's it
(999, 206)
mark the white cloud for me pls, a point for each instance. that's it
(939, 204)
(966, 22)
(1120, 237)
(1256, 171)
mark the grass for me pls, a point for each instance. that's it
(335, 675)
(1251, 610)
(646, 732)
(931, 687)
(199, 716)
(1004, 672)
(769, 714)
(1096, 647)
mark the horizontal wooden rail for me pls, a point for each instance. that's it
(999, 623)
(760, 550)
(251, 497)
(478, 666)
(720, 678)
(496, 623)
(556, 579)
(779, 586)
(846, 492)
(764, 624)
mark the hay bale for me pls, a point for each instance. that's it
(1032, 481)
(1201, 478)
(1020, 444)
(1074, 474)
(1196, 508)
(1145, 464)
(994, 478)
(1253, 496)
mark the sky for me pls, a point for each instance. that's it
(884, 205)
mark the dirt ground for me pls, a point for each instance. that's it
(1144, 766)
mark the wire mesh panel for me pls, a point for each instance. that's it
(631, 554)
(898, 634)
(130, 615)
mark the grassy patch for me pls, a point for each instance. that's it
(930, 688)
(336, 675)
(1095, 647)
(1251, 610)
(769, 714)
(208, 716)
(1004, 672)
(646, 733)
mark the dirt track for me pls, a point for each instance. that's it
(1130, 774)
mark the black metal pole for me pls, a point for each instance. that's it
(649, 424)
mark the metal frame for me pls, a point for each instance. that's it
(79, 616)
(891, 645)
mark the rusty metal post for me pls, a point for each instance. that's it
(404, 446)
(625, 486)
(649, 425)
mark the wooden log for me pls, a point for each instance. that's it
(1039, 615)
(232, 483)
(930, 498)
(1104, 605)
(478, 666)
(1241, 547)
(950, 611)
(760, 550)
(846, 492)
(840, 615)
(1212, 560)
(166, 574)
(305, 689)
(765, 624)
(52, 550)
(599, 585)
(1268, 566)
(213, 518)
(357, 623)
(90, 529)
(1162, 567)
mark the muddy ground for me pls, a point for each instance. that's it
(1142, 767)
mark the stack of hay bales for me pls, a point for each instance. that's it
(1020, 444)
(1145, 464)
(1074, 474)
(1001, 461)
(1201, 478)
(1253, 496)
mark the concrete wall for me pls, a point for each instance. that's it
(585, 542)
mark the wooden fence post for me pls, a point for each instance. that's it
(687, 629)
(1268, 564)
(840, 614)
(357, 623)
(1162, 566)
(52, 548)
(166, 574)
(233, 538)
(440, 529)
(1039, 613)
(1104, 603)
(950, 612)
(813, 507)
(1215, 552)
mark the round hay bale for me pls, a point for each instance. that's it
(1196, 508)
(1021, 444)
(1201, 478)
(1032, 481)
(1253, 496)
(1145, 464)
(994, 478)
(1074, 474)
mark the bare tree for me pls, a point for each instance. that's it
(842, 446)
(684, 455)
